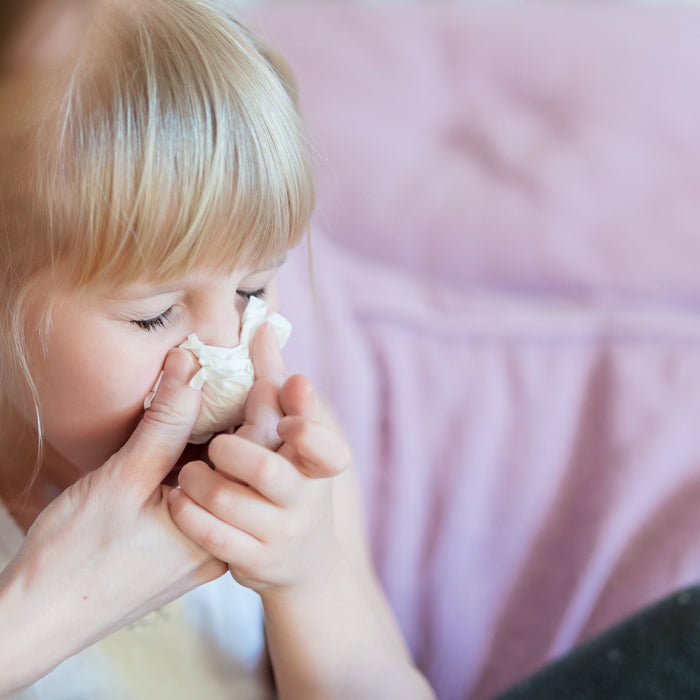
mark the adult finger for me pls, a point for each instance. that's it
(159, 439)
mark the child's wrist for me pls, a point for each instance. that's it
(315, 580)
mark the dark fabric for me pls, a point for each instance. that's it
(653, 654)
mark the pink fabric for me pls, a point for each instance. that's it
(506, 319)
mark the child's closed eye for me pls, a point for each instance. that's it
(155, 323)
(160, 321)
(260, 293)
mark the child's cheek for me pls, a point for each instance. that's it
(112, 412)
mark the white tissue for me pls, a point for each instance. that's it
(226, 374)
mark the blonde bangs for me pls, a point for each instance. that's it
(185, 153)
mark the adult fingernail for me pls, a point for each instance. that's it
(174, 495)
(179, 366)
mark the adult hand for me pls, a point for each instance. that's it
(106, 551)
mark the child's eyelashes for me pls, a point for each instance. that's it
(162, 320)
(260, 293)
(155, 323)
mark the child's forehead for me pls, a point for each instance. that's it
(149, 285)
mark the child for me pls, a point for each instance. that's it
(153, 177)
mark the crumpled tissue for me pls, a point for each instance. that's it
(226, 374)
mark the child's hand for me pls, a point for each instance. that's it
(258, 512)
(267, 513)
(262, 408)
(289, 411)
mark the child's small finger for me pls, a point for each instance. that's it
(265, 471)
(320, 451)
(262, 413)
(220, 539)
(266, 355)
(297, 397)
(230, 501)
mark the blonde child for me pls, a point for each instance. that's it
(153, 177)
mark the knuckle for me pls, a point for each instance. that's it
(164, 414)
(218, 499)
(212, 539)
(264, 473)
(270, 438)
(303, 431)
(293, 532)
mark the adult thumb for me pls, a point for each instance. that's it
(162, 434)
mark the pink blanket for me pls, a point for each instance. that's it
(507, 255)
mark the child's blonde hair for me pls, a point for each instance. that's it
(168, 141)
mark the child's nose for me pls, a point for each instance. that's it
(220, 327)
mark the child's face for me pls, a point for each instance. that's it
(106, 346)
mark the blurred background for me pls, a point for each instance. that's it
(506, 252)
(257, 3)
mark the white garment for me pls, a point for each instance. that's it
(209, 644)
